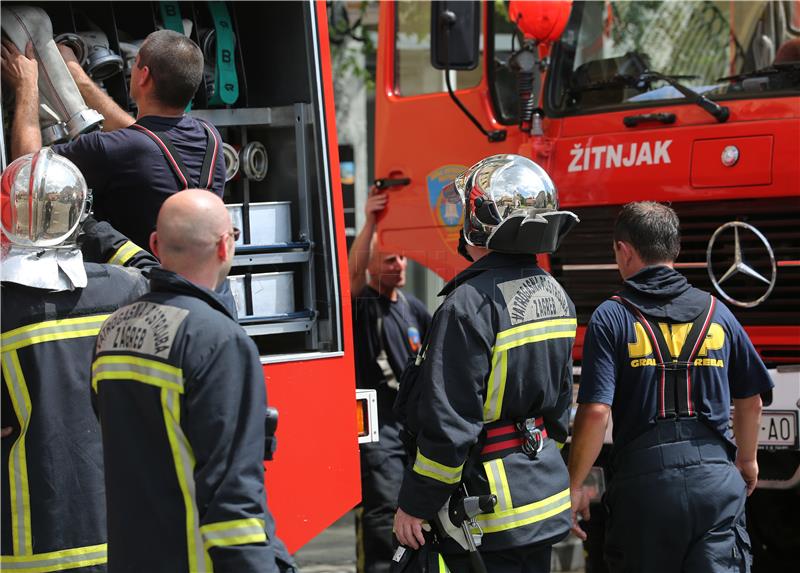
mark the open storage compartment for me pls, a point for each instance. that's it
(285, 275)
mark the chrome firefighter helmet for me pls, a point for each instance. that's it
(43, 199)
(510, 205)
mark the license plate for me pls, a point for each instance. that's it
(778, 429)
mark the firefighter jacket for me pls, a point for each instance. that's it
(499, 352)
(102, 243)
(53, 501)
(180, 393)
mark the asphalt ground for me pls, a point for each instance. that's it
(334, 551)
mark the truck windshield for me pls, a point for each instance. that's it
(722, 49)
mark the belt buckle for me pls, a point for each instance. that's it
(532, 439)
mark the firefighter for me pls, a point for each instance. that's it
(133, 166)
(53, 303)
(664, 360)
(487, 400)
(179, 389)
(388, 326)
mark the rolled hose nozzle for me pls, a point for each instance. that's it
(231, 157)
(254, 161)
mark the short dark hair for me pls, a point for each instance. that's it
(176, 66)
(651, 228)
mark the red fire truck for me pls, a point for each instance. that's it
(694, 103)
(267, 88)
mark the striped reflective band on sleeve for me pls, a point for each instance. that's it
(52, 330)
(498, 483)
(183, 457)
(144, 370)
(124, 253)
(236, 532)
(503, 520)
(442, 567)
(512, 338)
(434, 470)
(17, 462)
(55, 560)
(536, 332)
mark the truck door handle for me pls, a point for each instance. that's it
(634, 120)
(385, 183)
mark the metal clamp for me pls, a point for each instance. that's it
(532, 438)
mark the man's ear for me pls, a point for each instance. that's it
(154, 244)
(222, 249)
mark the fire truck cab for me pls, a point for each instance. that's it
(692, 103)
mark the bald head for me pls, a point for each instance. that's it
(193, 232)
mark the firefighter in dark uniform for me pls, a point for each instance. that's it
(487, 400)
(53, 303)
(388, 326)
(664, 360)
(131, 166)
(180, 393)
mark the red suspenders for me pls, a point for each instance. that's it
(675, 373)
(176, 163)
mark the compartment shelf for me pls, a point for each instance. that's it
(283, 116)
(301, 321)
(272, 254)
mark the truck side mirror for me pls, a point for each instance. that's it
(455, 34)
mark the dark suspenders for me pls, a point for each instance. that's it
(175, 162)
(675, 373)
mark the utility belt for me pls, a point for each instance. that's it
(503, 438)
(673, 443)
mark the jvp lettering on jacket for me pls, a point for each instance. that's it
(620, 155)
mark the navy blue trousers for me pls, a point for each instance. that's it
(676, 504)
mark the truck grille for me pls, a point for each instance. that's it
(584, 264)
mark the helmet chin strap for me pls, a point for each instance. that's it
(462, 247)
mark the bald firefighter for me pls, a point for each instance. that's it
(487, 403)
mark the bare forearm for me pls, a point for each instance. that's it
(588, 432)
(360, 253)
(97, 99)
(26, 135)
(746, 424)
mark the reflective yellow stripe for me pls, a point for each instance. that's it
(442, 567)
(124, 253)
(496, 387)
(235, 532)
(17, 460)
(144, 370)
(52, 330)
(184, 460)
(525, 515)
(536, 332)
(55, 560)
(498, 483)
(440, 472)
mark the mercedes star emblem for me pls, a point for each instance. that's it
(739, 266)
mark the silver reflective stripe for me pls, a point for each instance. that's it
(57, 560)
(184, 468)
(498, 478)
(567, 326)
(18, 470)
(495, 388)
(520, 516)
(239, 532)
(440, 472)
(52, 330)
(149, 371)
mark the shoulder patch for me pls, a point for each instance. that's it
(534, 298)
(143, 327)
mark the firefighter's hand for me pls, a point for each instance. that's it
(408, 529)
(580, 507)
(5, 432)
(749, 471)
(18, 69)
(376, 202)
